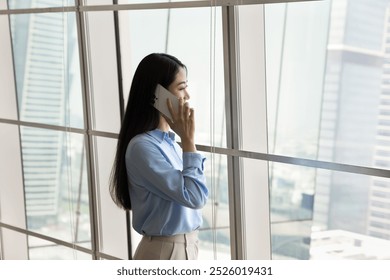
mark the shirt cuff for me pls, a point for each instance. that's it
(191, 159)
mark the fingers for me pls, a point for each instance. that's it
(182, 114)
(192, 114)
(183, 123)
(184, 109)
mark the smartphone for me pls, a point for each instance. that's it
(161, 101)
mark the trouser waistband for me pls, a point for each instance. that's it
(191, 237)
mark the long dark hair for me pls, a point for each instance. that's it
(140, 115)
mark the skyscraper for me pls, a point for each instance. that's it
(379, 206)
(351, 106)
(40, 61)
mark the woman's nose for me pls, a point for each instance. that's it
(187, 95)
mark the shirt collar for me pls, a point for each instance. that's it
(160, 135)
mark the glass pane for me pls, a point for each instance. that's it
(112, 220)
(292, 192)
(346, 218)
(341, 113)
(295, 37)
(40, 249)
(11, 188)
(214, 244)
(7, 79)
(291, 199)
(204, 60)
(214, 235)
(47, 68)
(56, 187)
(27, 4)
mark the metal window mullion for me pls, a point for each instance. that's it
(232, 127)
(307, 162)
(147, 6)
(184, 4)
(88, 124)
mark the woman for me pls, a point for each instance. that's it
(163, 184)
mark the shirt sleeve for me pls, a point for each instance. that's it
(148, 167)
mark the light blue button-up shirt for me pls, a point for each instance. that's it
(167, 186)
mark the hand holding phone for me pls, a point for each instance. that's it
(160, 103)
(184, 124)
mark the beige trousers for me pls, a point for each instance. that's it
(176, 247)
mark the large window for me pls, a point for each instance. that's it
(326, 89)
(293, 117)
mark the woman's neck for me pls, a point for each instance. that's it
(163, 124)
